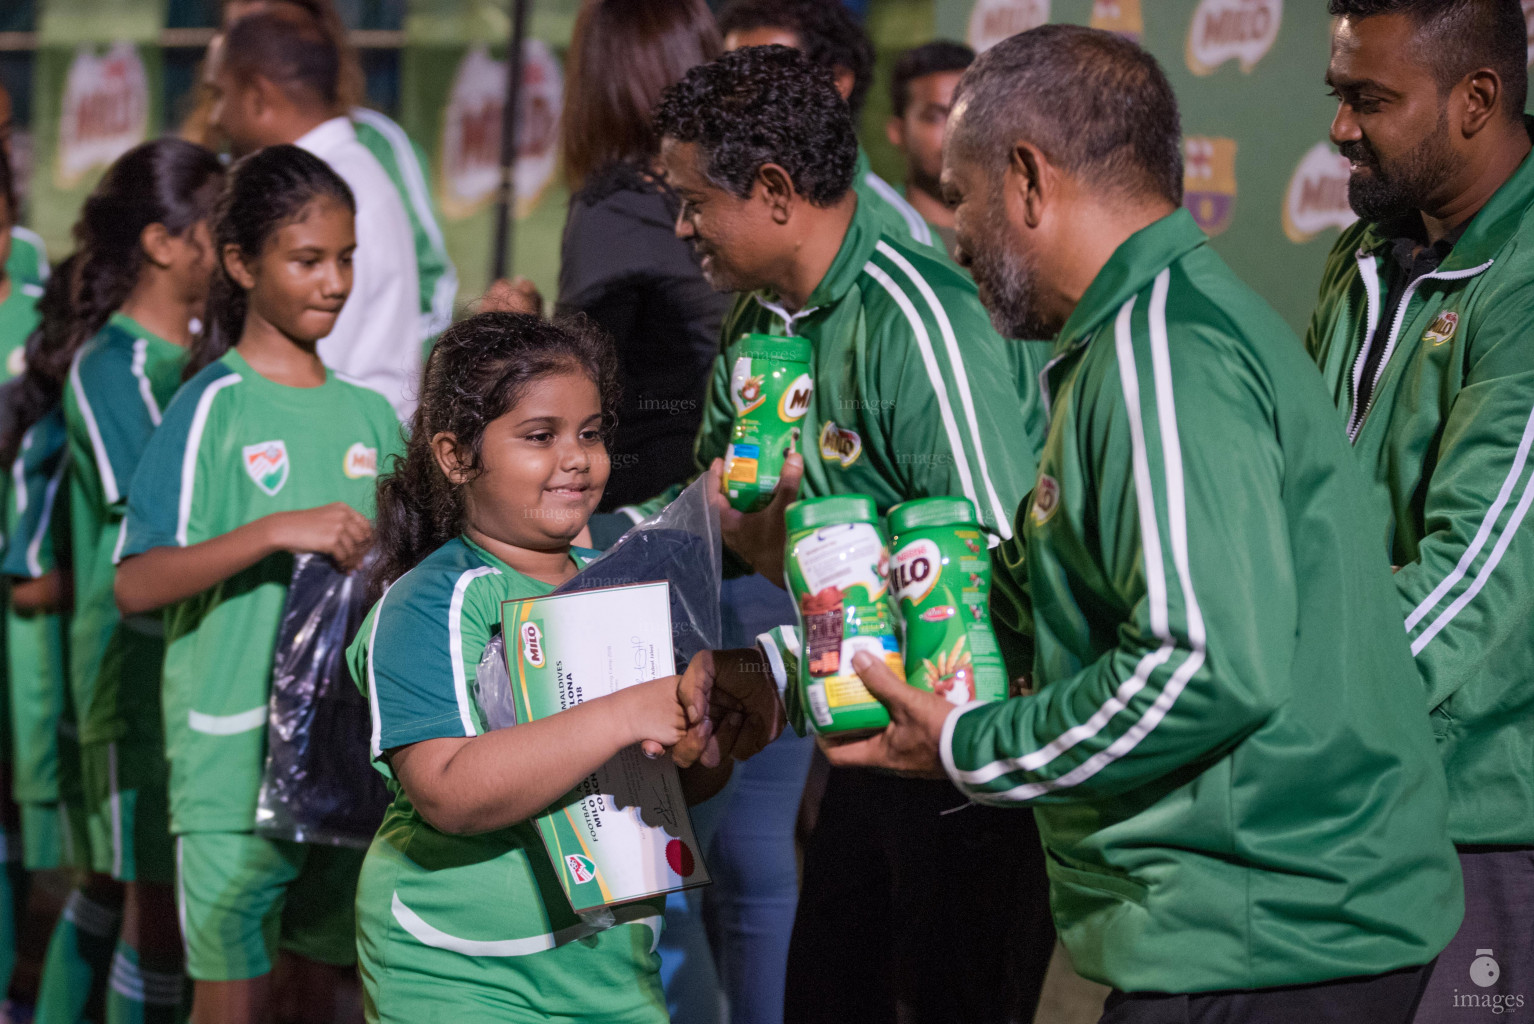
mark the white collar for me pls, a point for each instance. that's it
(327, 135)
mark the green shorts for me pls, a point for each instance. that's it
(242, 898)
(74, 824)
(42, 847)
(128, 807)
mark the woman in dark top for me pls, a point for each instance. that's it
(621, 263)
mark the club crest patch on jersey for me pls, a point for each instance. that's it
(267, 464)
(1442, 328)
(1046, 499)
(838, 444)
(360, 461)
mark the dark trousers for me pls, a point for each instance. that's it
(908, 915)
(1487, 973)
(1372, 999)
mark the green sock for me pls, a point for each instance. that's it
(141, 996)
(73, 985)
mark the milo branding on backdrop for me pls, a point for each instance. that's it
(991, 21)
(1223, 30)
(104, 113)
(1317, 196)
(1209, 181)
(1121, 16)
(471, 129)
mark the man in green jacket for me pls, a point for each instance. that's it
(1423, 333)
(907, 403)
(1242, 814)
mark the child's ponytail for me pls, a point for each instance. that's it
(266, 190)
(477, 371)
(167, 181)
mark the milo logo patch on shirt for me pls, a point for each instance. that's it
(838, 444)
(1442, 328)
(360, 461)
(267, 465)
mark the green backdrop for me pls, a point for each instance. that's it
(1262, 178)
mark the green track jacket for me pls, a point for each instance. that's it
(915, 394)
(1234, 783)
(1446, 441)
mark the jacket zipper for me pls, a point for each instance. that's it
(779, 311)
(1372, 287)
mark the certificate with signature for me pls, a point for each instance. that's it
(623, 833)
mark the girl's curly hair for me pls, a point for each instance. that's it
(477, 372)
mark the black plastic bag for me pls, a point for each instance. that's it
(320, 785)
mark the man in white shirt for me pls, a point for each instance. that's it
(274, 80)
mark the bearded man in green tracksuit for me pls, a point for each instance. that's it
(1242, 813)
(908, 402)
(1425, 334)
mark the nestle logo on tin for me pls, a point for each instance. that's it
(532, 644)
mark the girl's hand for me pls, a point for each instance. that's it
(337, 530)
(652, 715)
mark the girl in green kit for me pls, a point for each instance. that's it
(459, 914)
(141, 281)
(262, 453)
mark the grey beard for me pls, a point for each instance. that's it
(1010, 287)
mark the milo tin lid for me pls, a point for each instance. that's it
(768, 346)
(923, 512)
(813, 513)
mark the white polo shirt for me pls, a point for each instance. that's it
(377, 340)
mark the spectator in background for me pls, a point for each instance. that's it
(401, 158)
(828, 34)
(26, 267)
(620, 262)
(921, 93)
(275, 78)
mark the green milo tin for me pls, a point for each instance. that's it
(770, 388)
(941, 576)
(837, 567)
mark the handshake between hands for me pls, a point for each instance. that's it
(729, 709)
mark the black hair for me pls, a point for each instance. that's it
(266, 190)
(291, 48)
(759, 105)
(930, 59)
(478, 370)
(827, 32)
(1098, 105)
(167, 181)
(7, 186)
(1456, 37)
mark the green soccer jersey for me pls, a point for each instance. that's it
(119, 383)
(18, 316)
(484, 909)
(27, 265)
(234, 447)
(908, 402)
(405, 165)
(34, 643)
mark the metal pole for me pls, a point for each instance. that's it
(501, 263)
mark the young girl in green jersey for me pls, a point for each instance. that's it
(140, 284)
(459, 914)
(262, 453)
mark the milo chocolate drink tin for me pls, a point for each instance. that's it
(837, 567)
(941, 576)
(770, 388)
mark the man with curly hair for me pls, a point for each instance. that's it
(907, 404)
(827, 33)
(1423, 334)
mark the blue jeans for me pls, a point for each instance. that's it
(725, 949)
